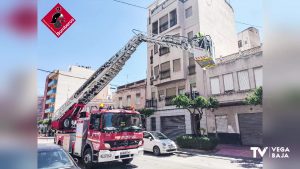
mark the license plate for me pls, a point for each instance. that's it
(124, 152)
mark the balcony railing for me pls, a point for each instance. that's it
(52, 91)
(51, 100)
(168, 100)
(152, 103)
(53, 82)
(165, 74)
(49, 110)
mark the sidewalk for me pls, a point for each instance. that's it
(224, 150)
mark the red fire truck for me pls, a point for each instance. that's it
(104, 134)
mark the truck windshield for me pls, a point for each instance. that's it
(122, 122)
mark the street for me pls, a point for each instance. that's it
(183, 161)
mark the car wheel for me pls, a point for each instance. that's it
(127, 161)
(156, 150)
(87, 159)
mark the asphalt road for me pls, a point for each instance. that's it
(182, 161)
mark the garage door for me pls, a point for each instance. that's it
(173, 126)
(251, 128)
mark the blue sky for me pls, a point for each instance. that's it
(102, 28)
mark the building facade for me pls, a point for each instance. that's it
(248, 38)
(229, 82)
(131, 94)
(171, 71)
(60, 85)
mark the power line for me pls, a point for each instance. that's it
(47, 71)
(134, 5)
(130, 4)
(243, 23)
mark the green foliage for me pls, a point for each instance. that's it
(40, 122)
(181, 101)
(212, 103)
(256, 97)
(46, 121)
(199, 102)
(195, 142)
(146, 112)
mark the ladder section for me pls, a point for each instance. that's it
(100, 78)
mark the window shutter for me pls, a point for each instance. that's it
(228, 82)
(215, 85)
(176, 65)
(243, 77)
(171, 92)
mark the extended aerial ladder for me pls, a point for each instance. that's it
(68, 112)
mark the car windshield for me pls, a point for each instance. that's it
(122, 122)
(159, 136)
(54, 159)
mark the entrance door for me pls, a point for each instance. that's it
(251, 128)
(173, 126)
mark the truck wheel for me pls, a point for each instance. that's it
(87, 159)
(127, 161)
(67, 123)
(156, 151)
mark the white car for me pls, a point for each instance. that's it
(158, 143)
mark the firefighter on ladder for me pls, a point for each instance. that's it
(203, 41)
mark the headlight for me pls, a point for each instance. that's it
(107, 146)
(164, 144)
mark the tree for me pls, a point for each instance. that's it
(255, 98)
(195, 107)
(145, 113)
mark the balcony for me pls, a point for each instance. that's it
(51, 100)
(165, 74)
(49, 110)
(192, 69)
(168, 100)
(152, 103)
(52, 91)
(53, 82)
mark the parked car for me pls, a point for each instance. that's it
(158, 143)
(51, 156)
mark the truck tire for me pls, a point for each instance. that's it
(156, 150)
(87, 158)
(127, 161)
(67, 123)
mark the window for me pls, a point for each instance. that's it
(170, 94)
(138, 98)
(163, 51)
(163, 23)
(153, 124)
(176, 65)
(161, 95)
(222, 124)
(215, 85)
(188, 12)
(155, 49)
(181, 90)
(151, 57)
(258, 75)
(173, 18)
(165, 70)
(156, 71)
(228, 82)
(243, 78)
(240, 43)
(190, 35)
(151, 72)
(128, 100)
(153, 95)
(155, 28)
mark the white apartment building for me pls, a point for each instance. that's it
(60, 85)
(248, 38)
(172, 71)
